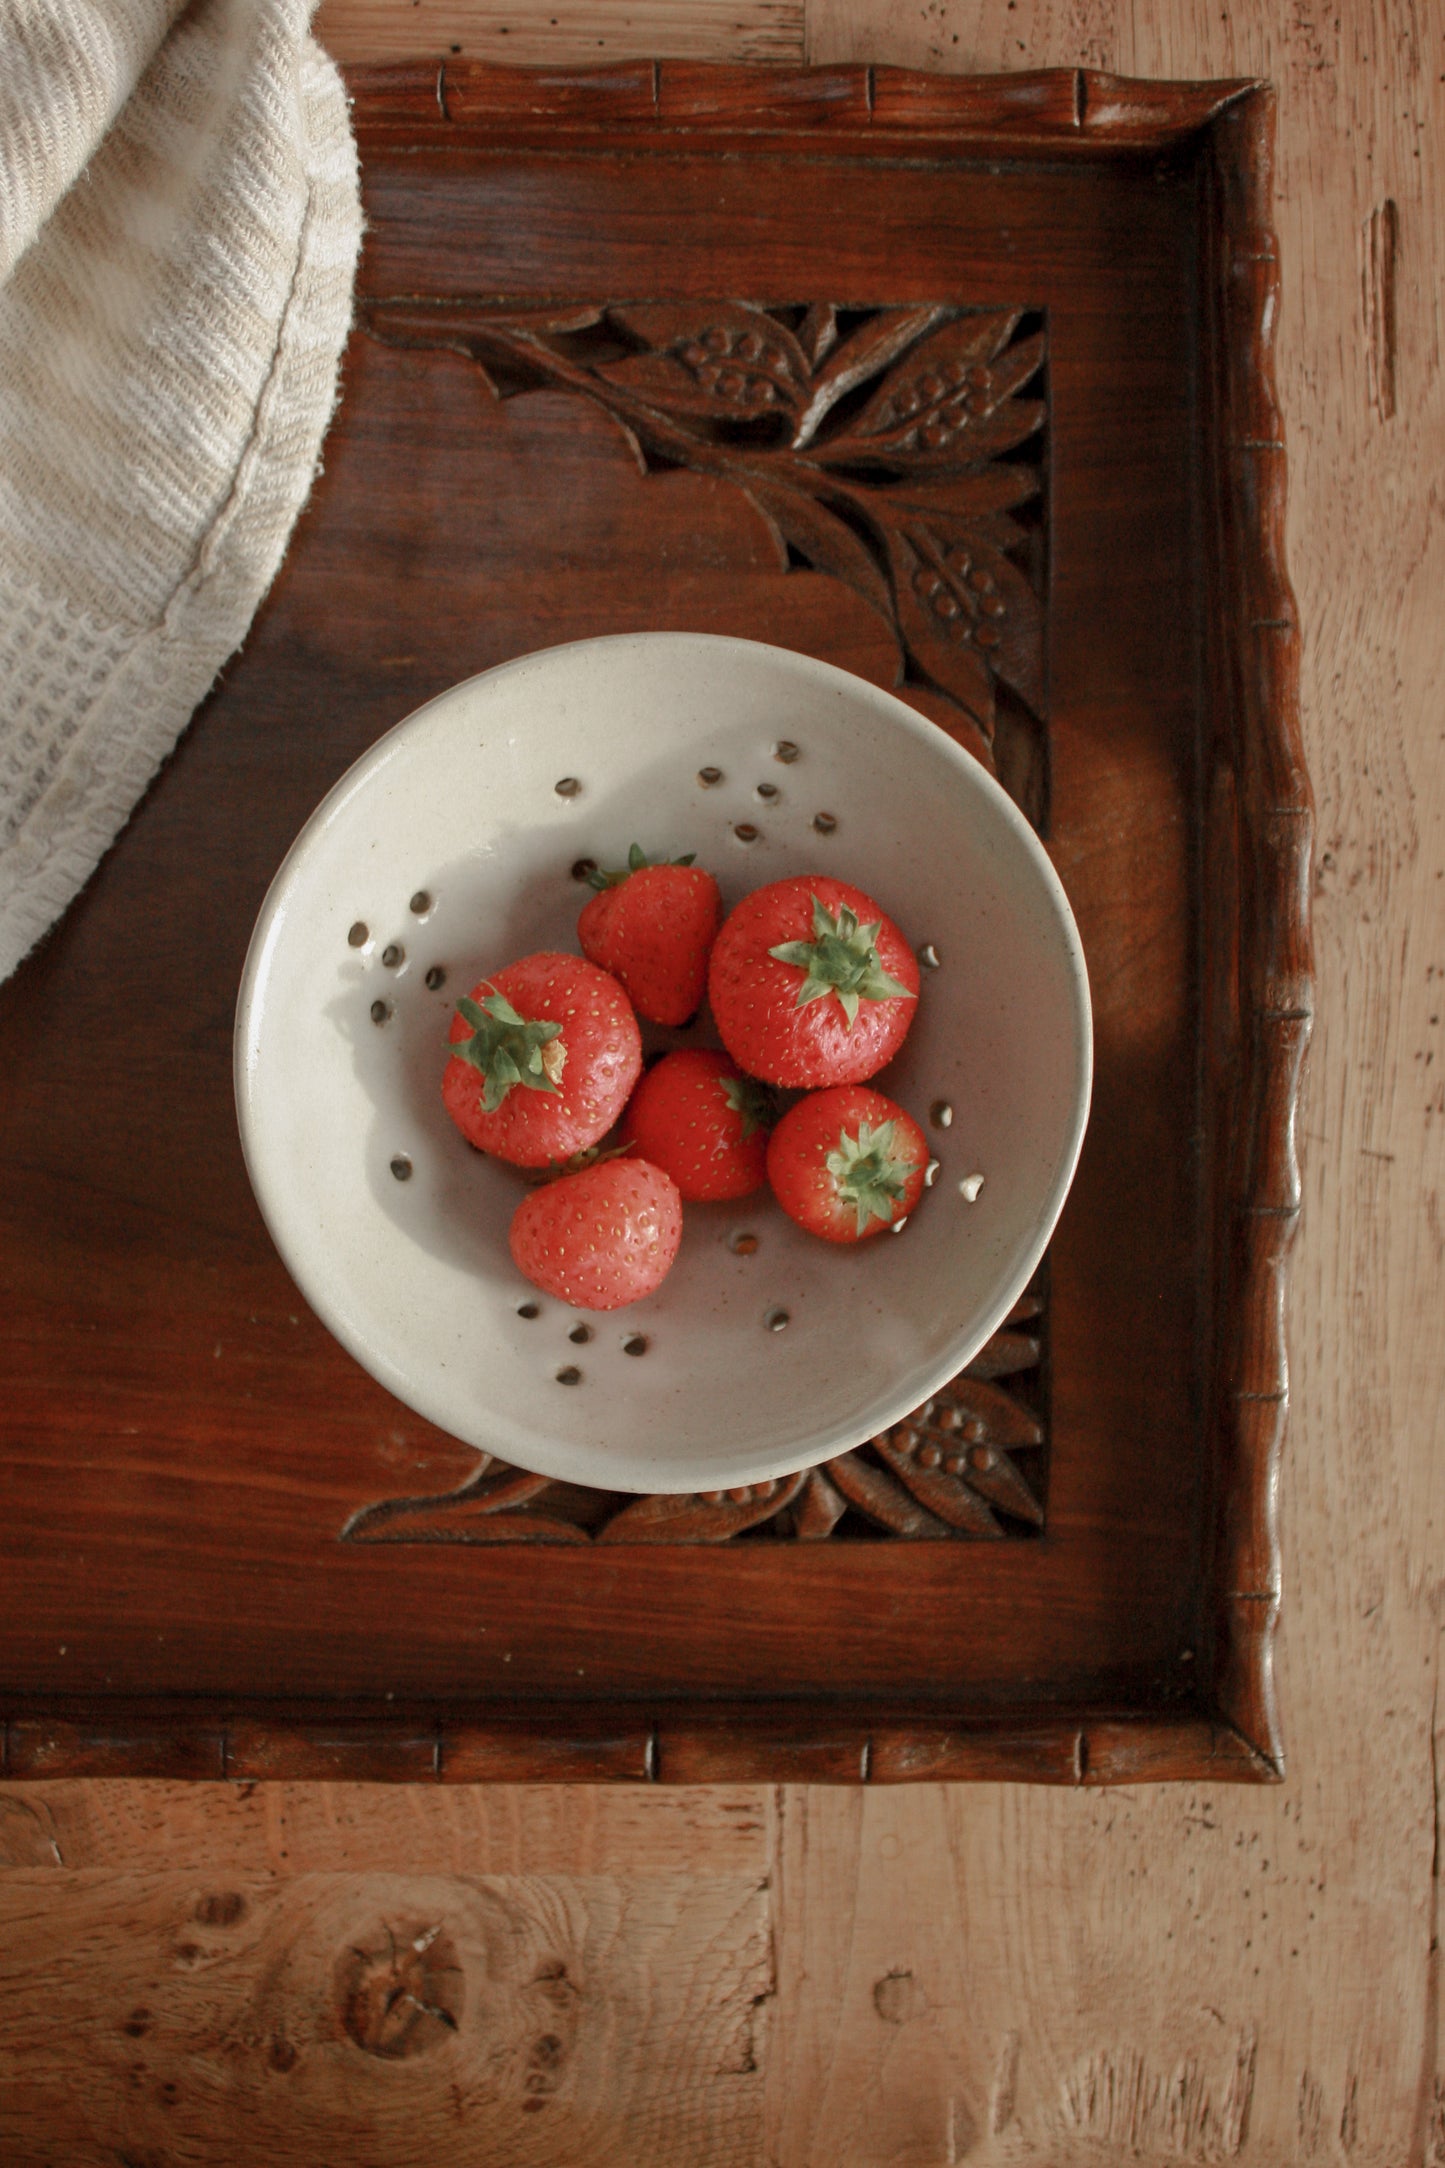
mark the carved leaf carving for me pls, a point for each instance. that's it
(938, 625)
(818, 332)
(701, 1517)
(818, 1509)
(988, 1414)
(934, 1480)
(483, 1510)
(721, 359)
(826, 542)
(890, 333)
(1004, 1355)
(940, 405)
(882, 1499)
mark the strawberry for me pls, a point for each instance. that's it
(544, 1056)
(847, 1162)
(811, 984)
(695, 1116)
(601, 1238)
(653, 926)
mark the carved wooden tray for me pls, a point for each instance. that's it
(964, 384)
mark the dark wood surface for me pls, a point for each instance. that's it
(181, 1443)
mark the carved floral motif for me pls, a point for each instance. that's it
(890, 448)
(952, 1470)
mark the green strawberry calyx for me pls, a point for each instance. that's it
(753, 1101)
(508, 1049)
(842, 958)
(637, 862)
(866, 1173)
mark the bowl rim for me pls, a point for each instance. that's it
(839, 1438)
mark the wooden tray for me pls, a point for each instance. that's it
(964, 384)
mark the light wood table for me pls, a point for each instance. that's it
(923, 1975)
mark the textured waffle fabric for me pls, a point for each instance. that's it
(179, 224)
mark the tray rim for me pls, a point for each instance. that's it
(1259, 1002)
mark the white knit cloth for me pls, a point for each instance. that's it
(179, 223)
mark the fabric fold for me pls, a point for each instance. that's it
(170, 340)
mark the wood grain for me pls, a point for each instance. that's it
(1204, 1974)
(172, 1375)
(561, 33)
(1005, 1975)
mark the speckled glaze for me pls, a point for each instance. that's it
(449, 848)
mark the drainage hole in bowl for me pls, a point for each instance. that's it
(401, 1167)
(571, 1375)
(777, 1320)
(768, 792)
(393, 955)
(941, 1114)
(360, 934)
(420, 903)
(742, 1242)
(785, 751)
(636, 1343)
(567, 787)
(529, 1309)
(929, 957)
(580, 1335)
(436, 977)
(930, 1173)
(745, 832)
(583, 868)
(380, 1011)
(825, 823)
(708, 777)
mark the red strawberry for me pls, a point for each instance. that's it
(811, 983)
(695, 1116)
(546, 1053)
(601, 1238)
(653, 927)
(847, 1163)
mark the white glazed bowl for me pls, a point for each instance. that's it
(449, 847)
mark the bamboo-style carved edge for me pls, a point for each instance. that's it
(433, 100)
(719, 1743)
(1262, 983)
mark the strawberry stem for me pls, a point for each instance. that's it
(842, 958)
(757, 1105)
(637, 860)
(508, 1049)
(867, 1174)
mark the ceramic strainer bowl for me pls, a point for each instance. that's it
(449, 850)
